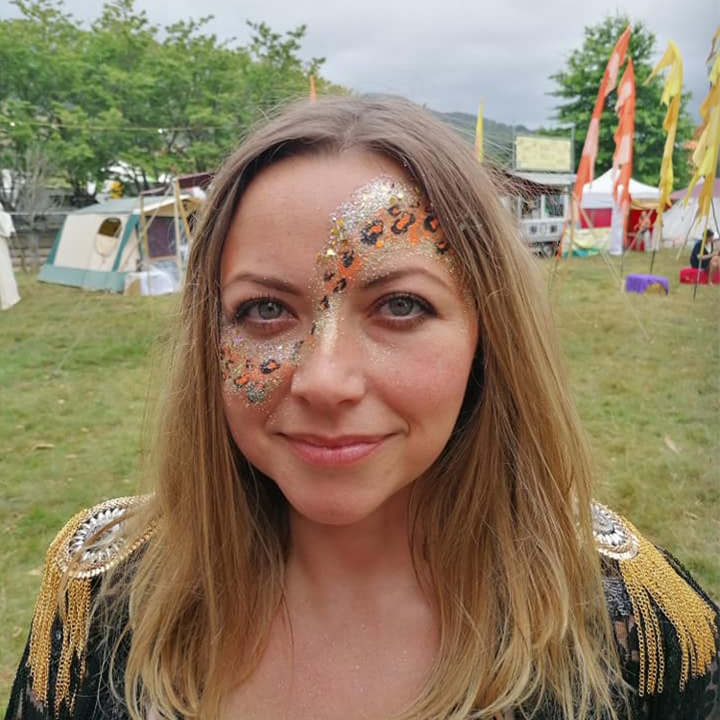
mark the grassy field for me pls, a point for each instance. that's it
(77, 369)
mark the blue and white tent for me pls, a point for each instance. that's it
(98, 245)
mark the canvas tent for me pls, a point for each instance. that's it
(8, 287)
(597, 199)
(98, 245)
(680, 223)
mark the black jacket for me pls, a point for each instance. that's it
(665, 627)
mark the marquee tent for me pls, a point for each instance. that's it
(98, 245)
(597, 200)
(679, 221)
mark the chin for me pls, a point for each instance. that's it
(341, 508)
(337, 513)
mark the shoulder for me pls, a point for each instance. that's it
(90, 545)
(666, 627)
(96, 539)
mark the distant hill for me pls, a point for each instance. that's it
(497, 136)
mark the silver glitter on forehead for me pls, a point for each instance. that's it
(379, 194)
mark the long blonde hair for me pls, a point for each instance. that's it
(501, 520)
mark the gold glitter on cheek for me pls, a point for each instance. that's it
(252, 370)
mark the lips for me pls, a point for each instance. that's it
(334, 451)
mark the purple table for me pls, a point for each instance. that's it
(641, 283)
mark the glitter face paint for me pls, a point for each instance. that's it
(382, 224)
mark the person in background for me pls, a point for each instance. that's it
(9, 295)
(710, 258)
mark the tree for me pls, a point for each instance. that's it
(577, 86)
(125, 92)
(34, 200)
(35, 57)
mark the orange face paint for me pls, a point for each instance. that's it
(382, 218)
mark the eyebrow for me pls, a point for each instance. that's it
(403, 273)
(268, 281)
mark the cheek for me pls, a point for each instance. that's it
(427, 381)
(251, 371)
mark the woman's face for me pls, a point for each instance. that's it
(347, 340)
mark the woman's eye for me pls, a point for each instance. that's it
(401, 306)
(269, 310)
(261, 311)
(404, 308)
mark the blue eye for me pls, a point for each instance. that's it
(401, 306)
(269, 309)
(259, 310)
(404, 308)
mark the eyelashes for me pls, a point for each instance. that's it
(269, 314)
(403, 309)
(267, 308)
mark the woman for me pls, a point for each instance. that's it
(372, 498)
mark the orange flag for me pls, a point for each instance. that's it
(313, 92)
(586, 168)
(623, 157)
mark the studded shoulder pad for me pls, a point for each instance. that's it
(613, 537)
(94, 541)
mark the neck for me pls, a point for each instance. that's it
(370, 558)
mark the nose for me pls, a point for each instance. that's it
(331, 372)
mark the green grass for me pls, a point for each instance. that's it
(76, 371)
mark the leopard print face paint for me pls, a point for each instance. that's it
(382, 224)
(253, 369)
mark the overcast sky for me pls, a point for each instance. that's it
(449, 53)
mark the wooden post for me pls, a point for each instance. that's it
(655, 239)
(176, 214)
(702, 252)
(573, 210)
(146, 250)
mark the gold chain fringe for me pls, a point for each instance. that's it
(648, 576)
(59, 566)
(74, 634)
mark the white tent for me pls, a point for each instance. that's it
(598, 193)
(100, 245)
(8, 287)
(680, 223)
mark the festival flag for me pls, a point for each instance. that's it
(705, 156)
(623, 157)
(313, 92)
(479, 134)
(670, 97)
(586, 168)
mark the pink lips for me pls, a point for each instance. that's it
(333, 451)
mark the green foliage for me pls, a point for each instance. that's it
(577, 85)
(158, 100)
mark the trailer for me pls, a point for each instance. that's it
(540, 202)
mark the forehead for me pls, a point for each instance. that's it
(314, 182)
(288, 207)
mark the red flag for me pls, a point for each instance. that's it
(586, 168)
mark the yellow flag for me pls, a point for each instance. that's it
(479, 135)
(670, 97)
(706, 153)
